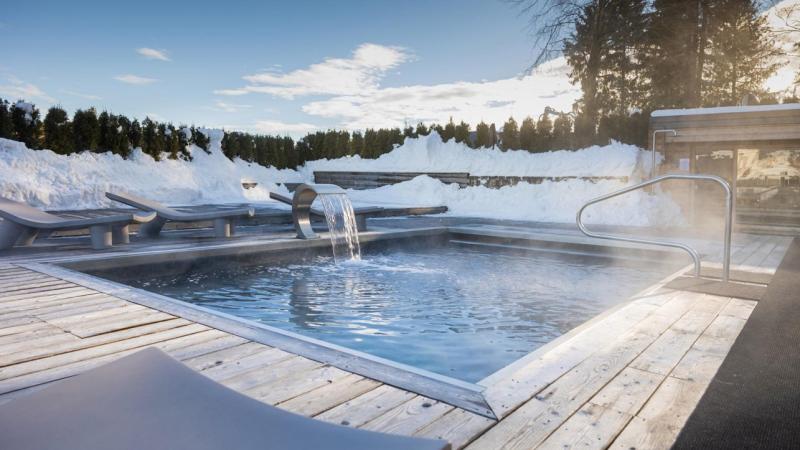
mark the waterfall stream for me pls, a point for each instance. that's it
(342, 227)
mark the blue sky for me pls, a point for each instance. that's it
(307, 64)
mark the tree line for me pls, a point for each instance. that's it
(87, 130)
(635, 56)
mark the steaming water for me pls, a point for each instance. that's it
(456, 311)
(342, 226)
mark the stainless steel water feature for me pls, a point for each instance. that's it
(304, 196)
(726, 257)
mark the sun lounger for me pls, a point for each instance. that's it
(361, 213)
(223, 219)
(150, 401)
(22, 223)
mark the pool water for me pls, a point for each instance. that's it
(460, 312)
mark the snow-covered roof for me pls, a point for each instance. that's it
(724, 110)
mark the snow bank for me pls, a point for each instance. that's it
(45, 179)
(545, 202)
(430, 154)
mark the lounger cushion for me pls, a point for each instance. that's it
(150, 401)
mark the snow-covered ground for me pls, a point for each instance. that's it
(45, 179)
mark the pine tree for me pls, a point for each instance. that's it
(527, 134)
(58, 131)
(462, 133)
(85, 130)
(422, 130)
(482, 135)
(408, 132)
(740, 53)
(121, 144)
(6, 124)
(200, 139)
(26, 124)
(449, 131)
(106, 134)
(135, 134)
(544, 131)
(510, 135)
(562, 132)
(357, 144)
(492, 135)
(152, 144)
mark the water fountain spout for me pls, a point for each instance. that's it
(304, 196)
(339, 215)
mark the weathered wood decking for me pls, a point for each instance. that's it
(629, 379)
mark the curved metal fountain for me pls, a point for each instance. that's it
(304, 196)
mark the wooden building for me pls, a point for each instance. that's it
(756, 148)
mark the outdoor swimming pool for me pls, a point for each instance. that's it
(463, 311)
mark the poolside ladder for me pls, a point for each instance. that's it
(726, 257)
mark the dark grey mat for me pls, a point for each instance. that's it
(717, 287)
(754, 400)
(150, 401)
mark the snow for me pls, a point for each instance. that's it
(45, 179)
(546, 202)
(725, 110)
(187, 133)
(779, 19)
(27, 107)
(430, 154)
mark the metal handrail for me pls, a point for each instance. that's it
(726, 257)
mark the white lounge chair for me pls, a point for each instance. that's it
(223, 220)
(22, 223)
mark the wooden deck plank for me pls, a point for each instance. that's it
(661, 419)
(282, 389)
(409, 417)
(628, 391)
(366, 407)
(273, 366)
(458, 427)
(328, 396)
(592, 427)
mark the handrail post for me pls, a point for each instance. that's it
(726, 256)
(653, 150)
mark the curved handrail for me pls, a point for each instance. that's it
(726, 257)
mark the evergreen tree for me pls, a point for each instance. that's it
(6, 124)
(492, 135)
(85, 130)
(562, 132)
(449, 131)
(544, 131)
(357, 144)
(482, 135)
(510, 139)
(421, 130)
(462, 133)
(370, 144)
(527, 134)
(152, 143)
(121, 144)
(26, 124)
(200, 139)
(135, 134)
(105, 140)
(740, 53)
(58, 131)
(408, 131)
(677, 42)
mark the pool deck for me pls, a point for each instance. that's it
(629, 378)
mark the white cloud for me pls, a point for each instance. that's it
(229, 107)
(334, 76)
(151, 53)
(16, 89)
(134, 79)
(277, 127)
(490, 101)
(82, 95)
